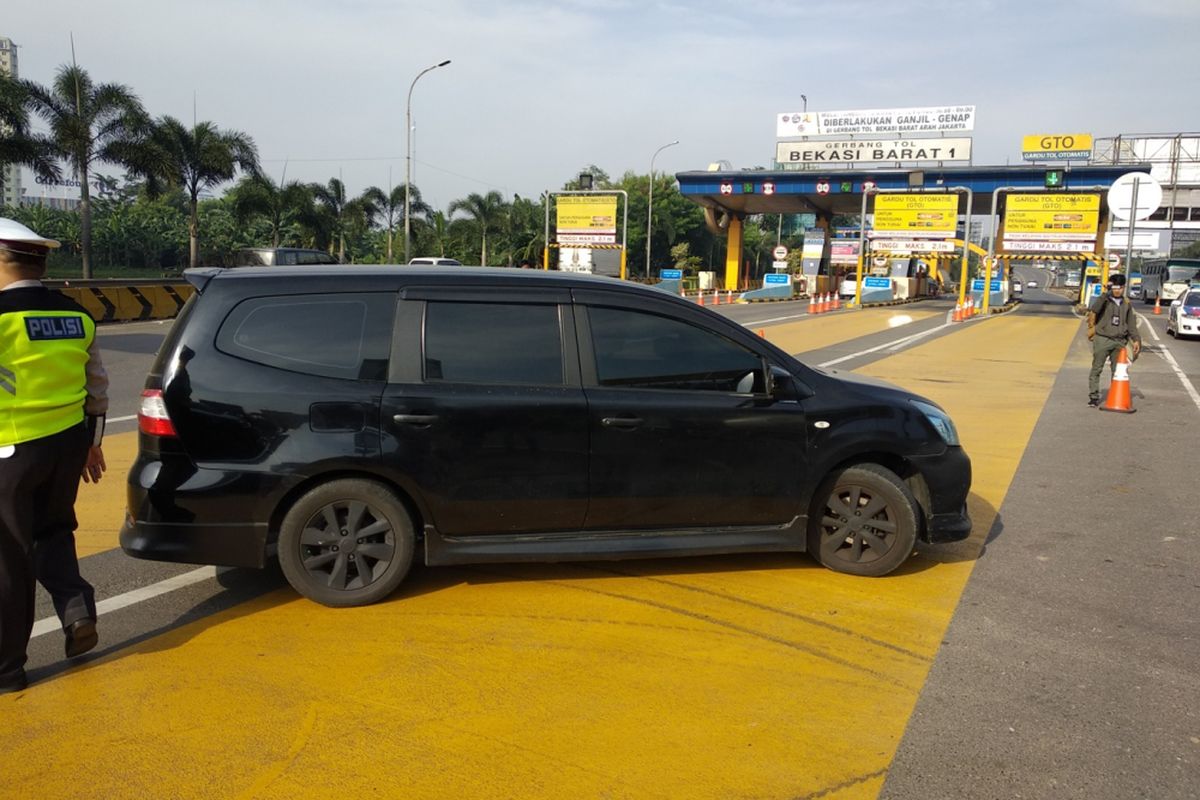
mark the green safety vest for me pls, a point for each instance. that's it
(43, 372)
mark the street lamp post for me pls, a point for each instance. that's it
(650, 203)
(408, 157)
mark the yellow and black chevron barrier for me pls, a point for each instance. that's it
(127, 301)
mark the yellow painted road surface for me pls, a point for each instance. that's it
(100, 507)
(815, 333)
(732, 677)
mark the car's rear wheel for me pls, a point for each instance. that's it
(864, 521)
(346, 543)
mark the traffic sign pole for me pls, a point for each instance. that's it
(1132, 225)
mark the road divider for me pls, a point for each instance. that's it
(127, 301)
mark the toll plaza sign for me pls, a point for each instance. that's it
(1056, 146)
(873, 151)
(1051, 218)
(876, 122)
(900, 216)
(586, 219)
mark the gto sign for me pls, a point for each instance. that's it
(1056, 146)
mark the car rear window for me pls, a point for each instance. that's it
(335, 336)
(512, 343)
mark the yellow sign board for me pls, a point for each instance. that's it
(1056, 146)
(1051, 217)
(934, 215)
(586, 219)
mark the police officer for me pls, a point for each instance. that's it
(1111, 326)
(53, 397)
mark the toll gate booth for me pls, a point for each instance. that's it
(728, 197)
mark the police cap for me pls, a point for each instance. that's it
(19, 239)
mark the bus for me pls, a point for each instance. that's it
(1168, 278)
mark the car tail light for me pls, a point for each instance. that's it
(152, 415)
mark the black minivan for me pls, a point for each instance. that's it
(348, 419)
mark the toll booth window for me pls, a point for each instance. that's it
(336, 336)
(640, 350)
(497, 343)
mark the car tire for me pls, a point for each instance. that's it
(864, 521)
(333, 530)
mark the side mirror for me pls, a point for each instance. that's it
(1176, 303)
(782, 385)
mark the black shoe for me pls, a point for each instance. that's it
(15, 683)
(81, 637)
(1094, 402)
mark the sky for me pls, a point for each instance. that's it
(538, 89)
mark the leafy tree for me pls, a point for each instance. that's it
(89, 123)
(195, 159)
(486, 215)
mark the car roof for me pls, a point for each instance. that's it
(399, 275)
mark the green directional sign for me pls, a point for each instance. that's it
(1055, 178)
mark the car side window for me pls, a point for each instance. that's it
(332, 335)
(512, 343)
(635, 349)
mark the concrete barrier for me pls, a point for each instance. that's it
(127, 301)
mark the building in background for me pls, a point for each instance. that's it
(1174, 160)
(10, 174)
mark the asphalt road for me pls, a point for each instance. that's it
(1070, 662)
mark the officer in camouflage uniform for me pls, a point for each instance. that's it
(1111, 326)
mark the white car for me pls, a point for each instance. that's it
(1016, 287)
(1183, 317)
(435, 261)
(1032, 284)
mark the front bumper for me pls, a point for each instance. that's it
(948, 478)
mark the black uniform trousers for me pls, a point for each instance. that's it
(38, 485)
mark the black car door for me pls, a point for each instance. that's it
(683, 433)
(484, 417)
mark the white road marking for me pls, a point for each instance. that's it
(1171, 362)
(120, 419)
(893, 345)
(777, 319)
(44, 626)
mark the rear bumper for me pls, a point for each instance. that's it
(220, 545)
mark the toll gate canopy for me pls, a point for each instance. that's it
(836, 191)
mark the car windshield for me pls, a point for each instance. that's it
(1182, 274)
(1192, 300)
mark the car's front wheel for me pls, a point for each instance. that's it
(864, 521)
(346, 543)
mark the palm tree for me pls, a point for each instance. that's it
(281, 205)
(88, 123)
(486, 213)
(331, 199)
(195, 160)
(18, 144)
(391, 208)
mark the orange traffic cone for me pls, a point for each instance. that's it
(762, 333)
(824, 302)
(1158, 306)
(957, 315)
(1119, 398)
(700, 298)
(837, 301)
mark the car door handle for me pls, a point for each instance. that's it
(621, 422)
(420, 420)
